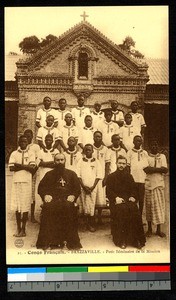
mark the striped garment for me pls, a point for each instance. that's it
(155, 205)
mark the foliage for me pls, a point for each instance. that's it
(32, 44)
(128, 45)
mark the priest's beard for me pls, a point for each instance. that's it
(60, 168)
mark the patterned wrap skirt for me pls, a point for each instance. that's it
(155, 205)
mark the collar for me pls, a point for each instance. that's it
(47, 109)
(115, 112)
(116, 149)
(137, 151)
(125, 125)
(88, 159)
(80, 108)
(22, 151)
(108, 123)
(71, 152)
(68, 126)
(46, 127)
(154, 155)
(100, 148)
(48, 150)
(97, 113)
(62, 110)
(87, 128)
(134, 113)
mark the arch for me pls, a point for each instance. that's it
(82, 47)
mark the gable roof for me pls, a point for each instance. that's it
(83, 30)
(158, 71)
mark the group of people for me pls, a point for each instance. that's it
(86, 160)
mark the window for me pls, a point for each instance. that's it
(83, 65)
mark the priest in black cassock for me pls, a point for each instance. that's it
(59, 190)
(126, 220)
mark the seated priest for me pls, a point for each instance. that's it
(59, 190)
(126, 226)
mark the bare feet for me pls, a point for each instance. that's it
(22, 233)
(148, 233)
(161, 234)
(33, 220)
(17, 233)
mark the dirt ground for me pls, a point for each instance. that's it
(100, 239)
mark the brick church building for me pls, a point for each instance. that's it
(84, 61)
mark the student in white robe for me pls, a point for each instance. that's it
(127, 132)
(115, 151)
(79, 112)
(22, 164)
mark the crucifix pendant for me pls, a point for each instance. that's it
(62, 182)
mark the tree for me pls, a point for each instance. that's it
(49, 38)
(30, 44)
(129, 45)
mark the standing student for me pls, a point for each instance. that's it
(68, 130)
(117, 115)
(72, 154)
(49, 129)
(137, 118)
(89, 173)
(22, 163)
(154, 189)
(79, 112)
(137, 160)
(46, 157)
(42, 113)
(34, 148)
(61, 112)
(86, 133)
(108, 127)
(115, 151)
(127, 132)
(101, 153)
(97, 114)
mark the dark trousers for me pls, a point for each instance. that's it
(139, 195)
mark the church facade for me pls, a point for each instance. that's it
(82, 61)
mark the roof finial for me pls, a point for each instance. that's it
(84, 16)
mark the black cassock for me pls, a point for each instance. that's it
(126, 220)
(59, 219)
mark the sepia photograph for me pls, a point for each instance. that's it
(87, 135)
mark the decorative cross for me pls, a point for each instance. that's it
(62, 181)
(84, 16)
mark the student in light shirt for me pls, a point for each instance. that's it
(108, 127)
(72, 154)
(89, 172)
(49, 129)
(127, 132)
(42, 113)
(34, 148)
(137, 118)
(45, 159)
(61, 112)
(86, 134)
(101, 152)
(117, 115)
(79, 112)
(68, 129)
(97, 114)
(115, 151)
(137, 160)
(22, 164)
